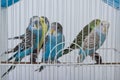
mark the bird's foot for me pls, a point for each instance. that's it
(95, 56)
(98, 59)
(33, 58)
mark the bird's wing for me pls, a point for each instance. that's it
(91, 41)
(26, 44)
(18, 37)
(29, 40)
(82, 34)
(60, 46)
(45, 42)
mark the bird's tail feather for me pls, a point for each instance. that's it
(12, 57)
(6, 52)
(65, 51)
(2, 54)
(17, 37)
(11, 68)
(40, 69)
(70, 48)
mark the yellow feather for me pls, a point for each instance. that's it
(44, 31)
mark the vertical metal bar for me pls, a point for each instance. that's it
(100, 11)
(62, 22)
(57, 19)
(112, 41)
(45, 14)
(82, 35)
(74, 25)
(32, 43)
(88, 16)
(99, 14)
(66, 14)
(38, 51)
(70, 13)
(79, 7)
(102, 68)
(0, 39)
(13, 29)
(25, 17)
(3, 39)
(54, 15)
(28, 66)
(20, 77)
(51, 17)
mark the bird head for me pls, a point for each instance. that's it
(44, 20)
(56, 28)
(104, 26)
(94, 23)
(35, 22)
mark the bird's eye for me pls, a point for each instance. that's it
(42, 21)
(36, 22)
(58, 27)
(101, 24)
(96, 22)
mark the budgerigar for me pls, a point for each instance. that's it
(30, 42)
(81, 36)
(54, 43)
(6, 3)
(42, 34)
(94, 40)
(45, 29)
(113, 3)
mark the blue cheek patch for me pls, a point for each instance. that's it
(113, 3)
(7, 3)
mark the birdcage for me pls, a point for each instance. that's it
(88, 47)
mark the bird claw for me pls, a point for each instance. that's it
(37, 69)
(6, 52)
(98, 59)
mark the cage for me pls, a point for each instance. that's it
(16, 16)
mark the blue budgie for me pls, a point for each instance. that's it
(113, 3)
(30, 42)
(45, 28)
(6, 3)
(54, 43)
(93, 41)
(42, 34)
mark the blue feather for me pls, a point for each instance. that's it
(113, 3)
(6, 3)
(51, 44)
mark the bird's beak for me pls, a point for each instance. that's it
(105, 29)
(52, 31)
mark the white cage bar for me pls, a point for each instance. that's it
(73, 15)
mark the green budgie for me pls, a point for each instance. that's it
(81, 36)
(94, 40)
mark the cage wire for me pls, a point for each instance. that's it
(59, 39)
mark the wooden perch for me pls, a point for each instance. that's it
(4, 62)
(62, 63)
